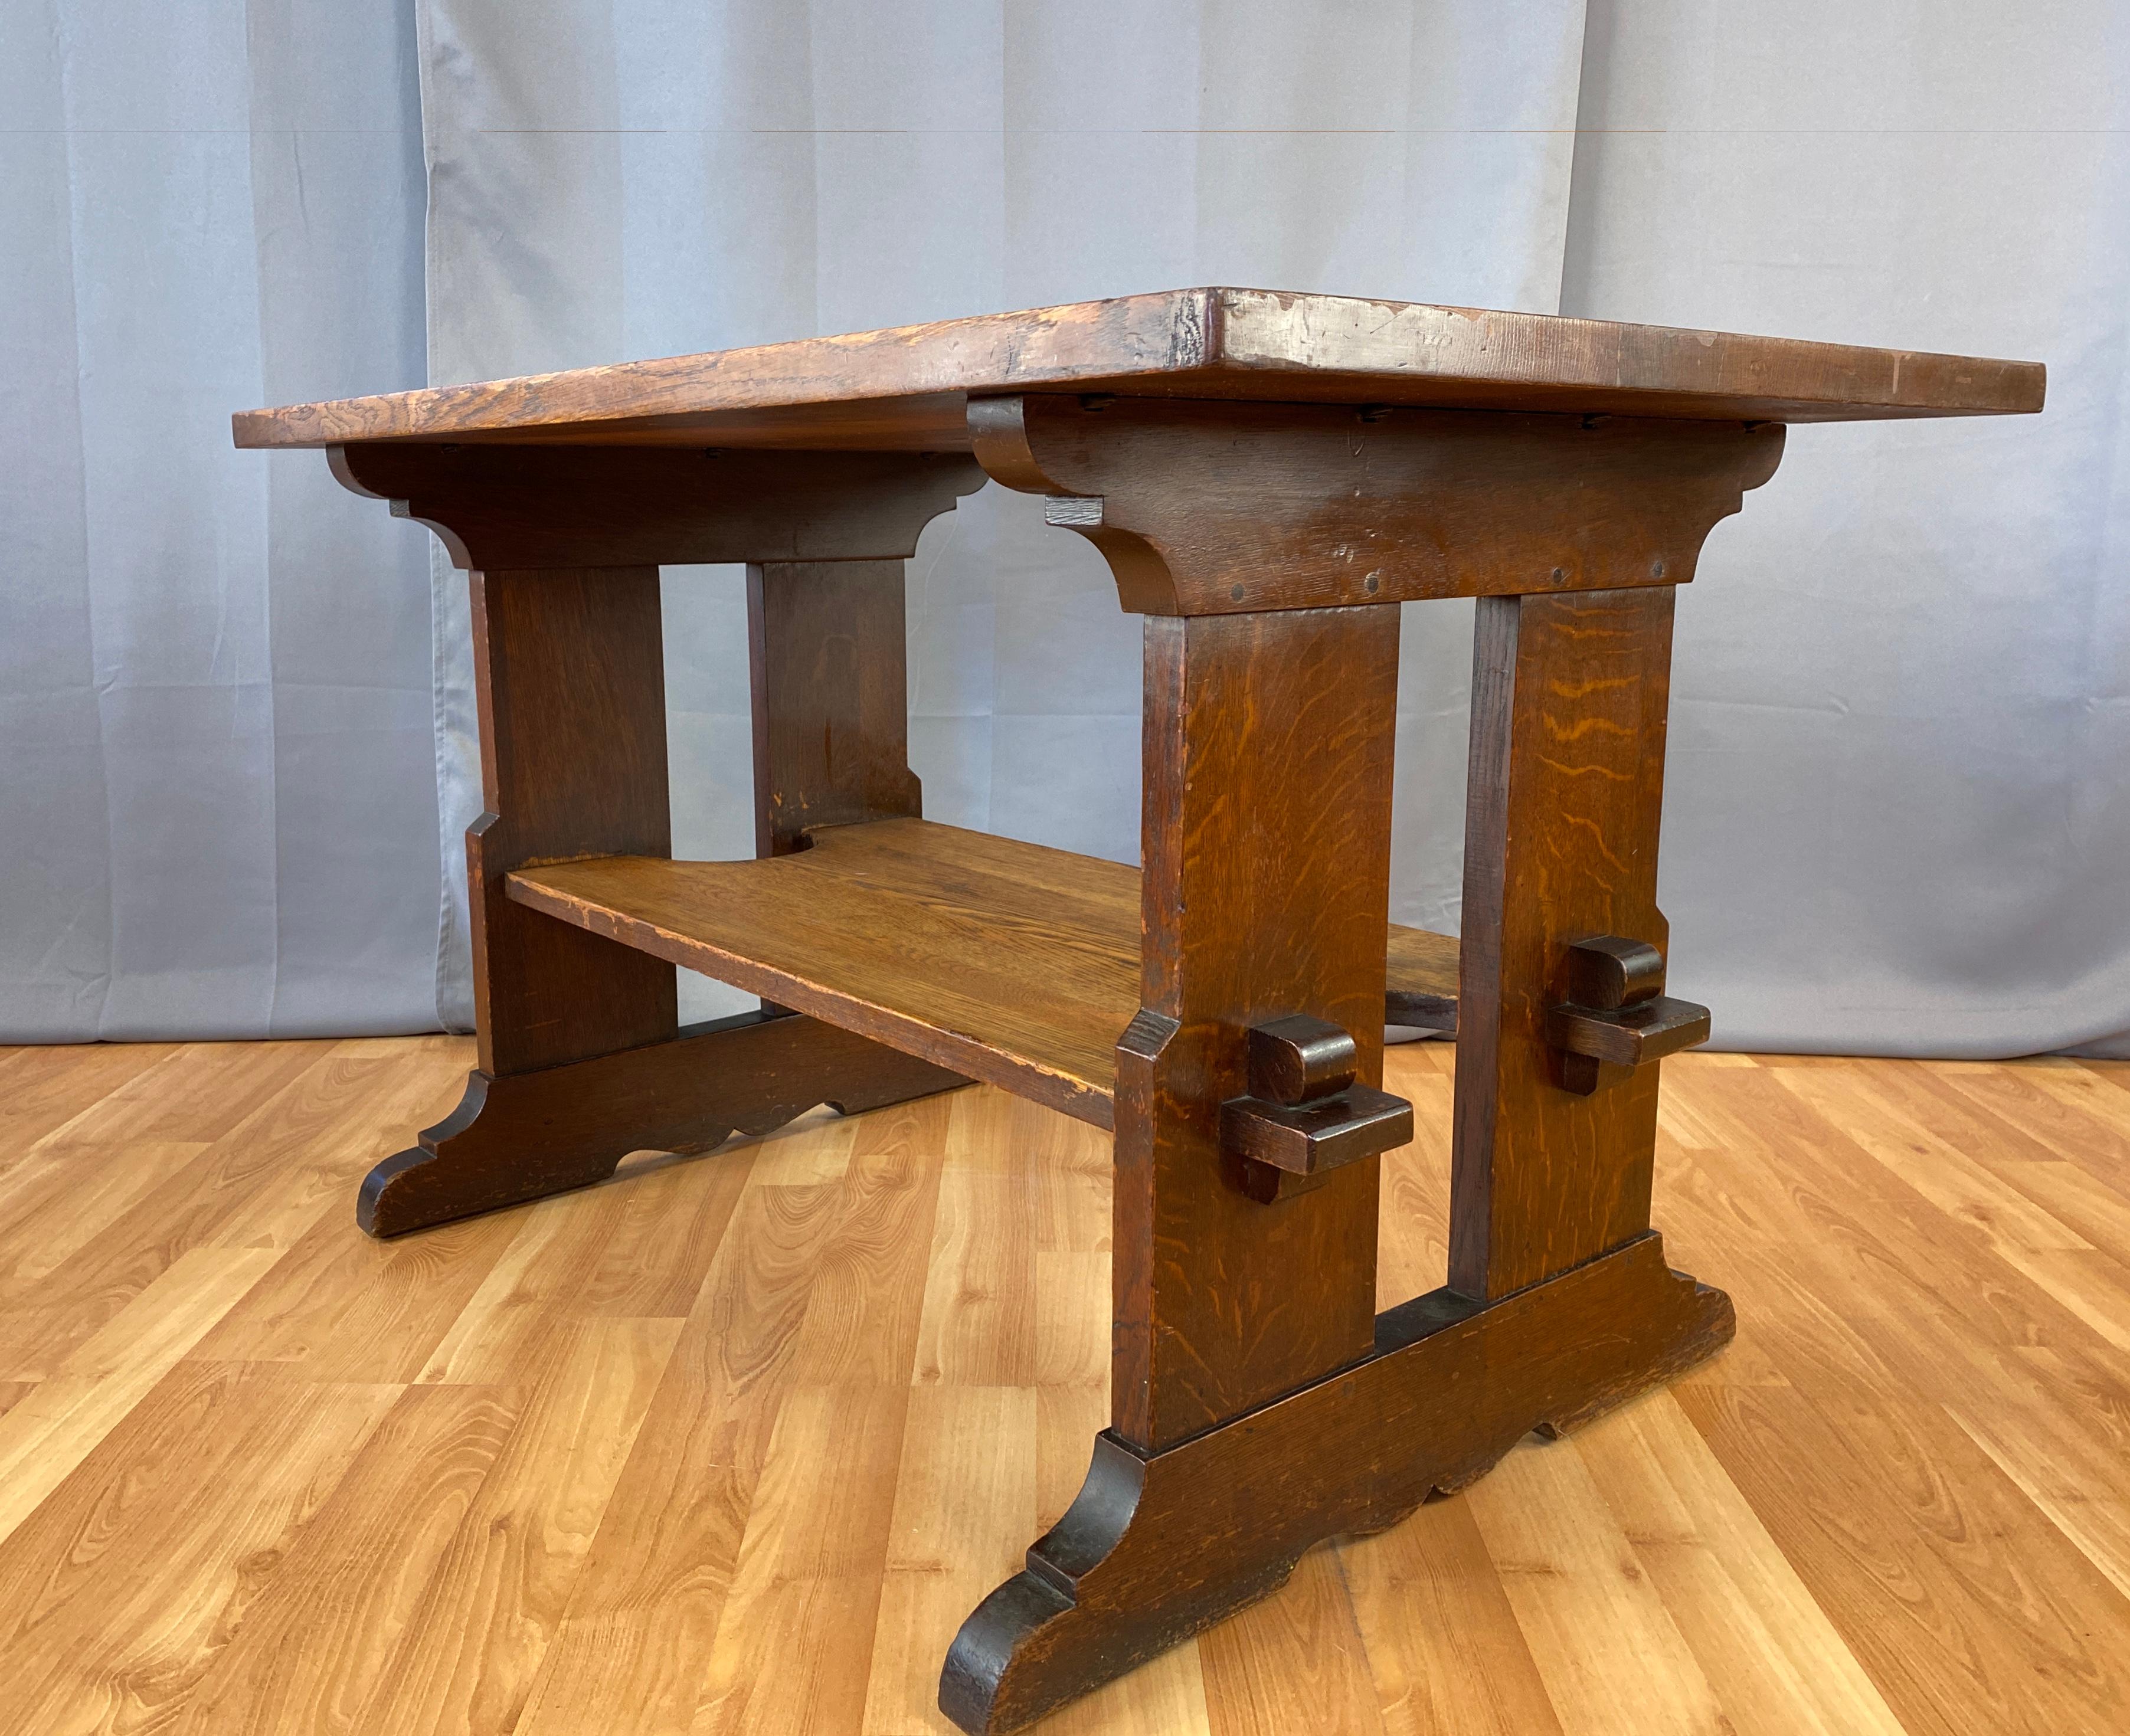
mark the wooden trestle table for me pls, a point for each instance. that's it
(1268, 476)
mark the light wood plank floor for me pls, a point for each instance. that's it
(733, 1443)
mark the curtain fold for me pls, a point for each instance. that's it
(1897, 811)
(237, 706)
(217, 815)
(650, 177)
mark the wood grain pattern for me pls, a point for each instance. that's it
(1894, 1504)
(1005, 961)
(906, 386)
(260, 1185)
(1568, 1568)
(1265, 834)
(1203, 508)
(1565, 790)
(569, 675)
(828, 652)
(524, 1135)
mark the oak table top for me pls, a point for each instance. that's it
(907, 388)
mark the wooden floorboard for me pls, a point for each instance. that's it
(730, 1445)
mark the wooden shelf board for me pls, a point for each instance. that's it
(1010, 962)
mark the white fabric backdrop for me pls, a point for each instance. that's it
(615, 178)
(1897, 812)
(217, 809)
(1897, 799)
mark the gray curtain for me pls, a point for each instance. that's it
(218, 805)
(613, 178)
(1897, 799)
(1897, 814)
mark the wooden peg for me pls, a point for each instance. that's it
(1608, 971)
(1618, 1011)
(1298, 1058)
(1305, 1116)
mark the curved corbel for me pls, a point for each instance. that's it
(1000, 430)
(1217, 507)
(496, 505)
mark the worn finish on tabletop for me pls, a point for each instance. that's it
(1269, 477)
(907, 388)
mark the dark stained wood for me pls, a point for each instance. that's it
(831, 707)
(1630, 1036)
(525, 1135)
(1212, 508)
(1410, 999)
(1611, 970)
(1266, 840)
(1309, 1138)
(1160, 1545)
(1564, 793)
(1618, 1012)
(552, 506)
(569, 675)
(568, 666)
(1264, 832)
(1306, 1114)
(1296, 1058)
(1009, 962)
(905, 386)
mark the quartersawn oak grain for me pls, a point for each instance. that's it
(1267, 476)
(1569, 701)
(1007, 962)
(906, 388)
(1265, 830)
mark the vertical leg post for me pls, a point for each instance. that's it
(1570, 696)
(570, 677)
(582, 1059)
(829, 657)
(1265, 891)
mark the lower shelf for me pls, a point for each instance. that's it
(1010, 963)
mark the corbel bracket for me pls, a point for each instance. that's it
(496, 505)
(1211, 508)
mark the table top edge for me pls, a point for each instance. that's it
(1216, 342)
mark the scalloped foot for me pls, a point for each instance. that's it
(1157, 1548)
(523, 1136)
